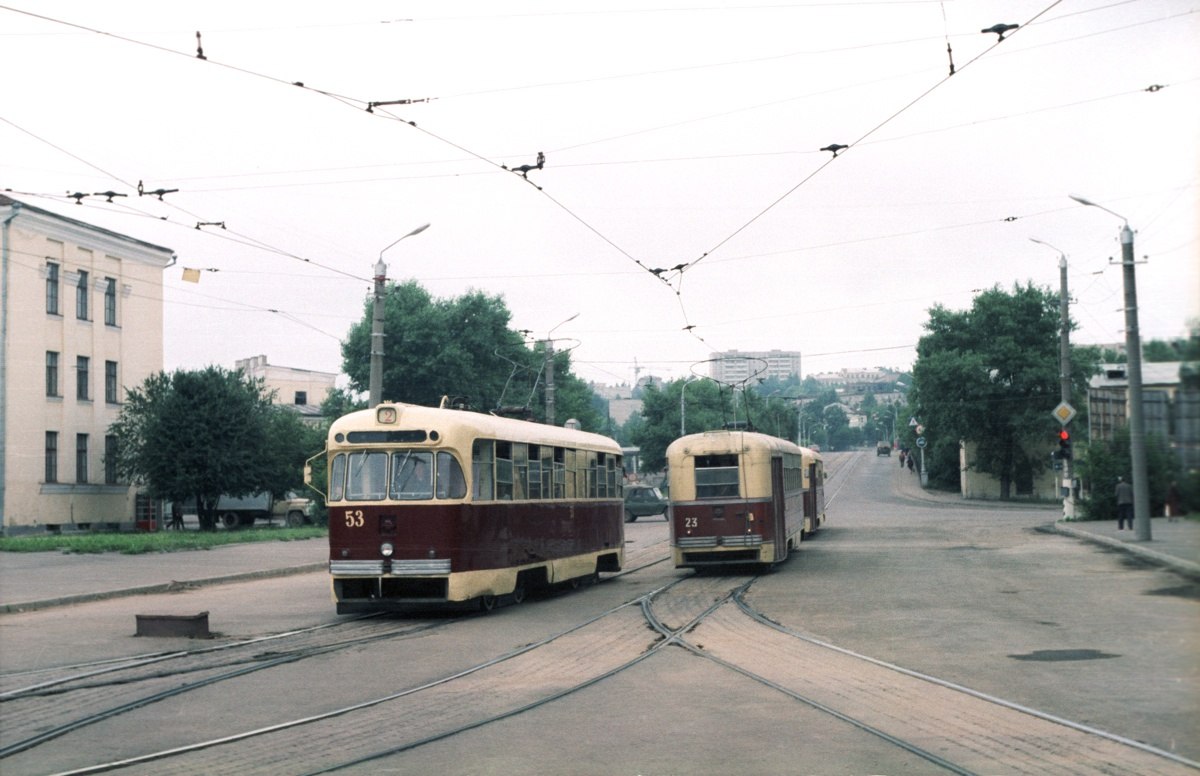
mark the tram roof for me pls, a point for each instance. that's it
(415, 416)
(734, 440)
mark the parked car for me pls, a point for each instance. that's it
(883, 448)
(643, 501)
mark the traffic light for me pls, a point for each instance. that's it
(1064, 445)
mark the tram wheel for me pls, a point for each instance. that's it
(487, 603)
(518, 593)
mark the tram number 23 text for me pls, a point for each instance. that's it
(354, 518)
(691, 522)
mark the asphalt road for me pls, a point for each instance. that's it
(982, 598)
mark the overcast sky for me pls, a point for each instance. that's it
(676, 134)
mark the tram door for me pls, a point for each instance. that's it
(814, 497)
(778, 515)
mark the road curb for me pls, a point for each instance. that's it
(165, 587)
(1180, 565)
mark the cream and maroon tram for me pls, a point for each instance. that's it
(435, 505)
(740, 497)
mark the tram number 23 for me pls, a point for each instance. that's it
(691, 522)
(354, 518)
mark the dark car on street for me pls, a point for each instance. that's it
(643, 501)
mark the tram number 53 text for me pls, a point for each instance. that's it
(354, 518)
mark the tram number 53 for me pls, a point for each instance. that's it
(354, 518)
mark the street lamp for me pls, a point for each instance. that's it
(1133, 357)
(1064, 369)
(375, 389)
(550, 371)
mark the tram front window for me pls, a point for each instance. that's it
(412, 476)
(366, 476)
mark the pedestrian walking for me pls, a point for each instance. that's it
(176, 516)
(911, 466)
(1174, 506)
(1124, 504)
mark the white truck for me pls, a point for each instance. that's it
(292, 510)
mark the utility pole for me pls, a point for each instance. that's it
(1137, 422)
(1064, 378)
(550, 382)
(375, 389)
(1064, 372)
(375, 383)
(1133, 370)
(548, 364)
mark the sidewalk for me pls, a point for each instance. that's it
(1175, 546)
(38, 580)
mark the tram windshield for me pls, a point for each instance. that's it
(399, 475)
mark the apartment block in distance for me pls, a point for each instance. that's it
(82, 316)
(734, 366)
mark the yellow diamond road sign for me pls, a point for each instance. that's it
(1064, 412)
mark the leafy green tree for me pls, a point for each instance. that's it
(201, 434)
(339, 402)
(1105, 460)
(462, 348)
(990, 375)
(435, 348)
(706, 406)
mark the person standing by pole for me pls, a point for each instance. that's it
(1124, 504)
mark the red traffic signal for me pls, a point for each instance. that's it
(1064, 444)
(1064, 435)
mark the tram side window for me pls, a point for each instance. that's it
(560, 472)
(547, 471)
(615, 472)
(450, 480)
(569, 469)
(535, 472)
(367, 476)
(520, 471)
(593, 485)
(504, 471)
(482, 465)
(337, 478)
(412, 476)
(716, 476)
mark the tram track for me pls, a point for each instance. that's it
(89, 693)
(952, 728)
(955, 730)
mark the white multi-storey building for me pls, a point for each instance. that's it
(736, 366)
(82, 317)
(301, 389)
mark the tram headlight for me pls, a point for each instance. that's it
(386, 549)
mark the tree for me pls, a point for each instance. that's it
(706, 406)
(462, 348)
(435, 348)
(201, 434)
(990, 375)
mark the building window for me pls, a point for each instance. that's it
(81, 377)
(110, 382)
(81, 297)
(51, 456)
(110, 301)
(81, 455)
(52, 288)
(301, 397)
(51, 373)
(110, 459)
